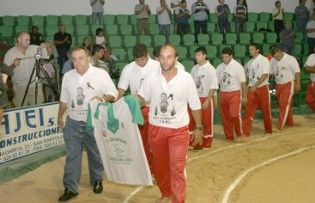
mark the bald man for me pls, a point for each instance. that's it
(168, 93)
(21, 58)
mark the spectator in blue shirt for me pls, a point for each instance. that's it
(302, 16)
(182, 16)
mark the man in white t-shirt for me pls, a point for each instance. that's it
(206, 81)
(310, 92)
(132, 77)
(168, 92)
(310, 29)
(286, 71)
(156, 54)
(233, 93)
(164, 19)
(79, 87)
(257, 71)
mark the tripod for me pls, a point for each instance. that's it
(37, 69)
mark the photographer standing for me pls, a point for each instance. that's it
(21, 58)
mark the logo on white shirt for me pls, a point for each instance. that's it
(166, 110)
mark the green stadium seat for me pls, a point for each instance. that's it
(297, 50)
(150, 50)
(266, 49)
(125, 29)
(153, 19)
(250, 26)
(69, 29)
(175, 39)
(182, 52)
(271, 37)
(258, 37)
(159, 40)
(129, 41)
(298, 37)
(8, 20)
(240, 51)
(271, 26)
(119, 53)
(216, 38)
(245, 60)
(37, 20)
(132, 19)
(52, 20)
(121, 66)
(260, 25)
(122, 19)
(188, 64)
(66, 19)
(154, 29)
(6, 30)
(50, 30)
(216, 62)
(21, 28)
(245, 38)
(213, 18)
(83, 30)
(305, 48)
(23, 20)
(252, 17)
(288, 17)
(212, 51)
(109, 19)
(192, 50)
(211, 27)
(130, 54)
(203, 39)
(115, 41)
(146, 39)
(188, 39)
(231, 38)
(111, 29)
(264, 17)
(81, 19)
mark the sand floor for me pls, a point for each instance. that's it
(210, 172)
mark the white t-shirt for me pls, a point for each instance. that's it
(255, 68)
(311, 62)
(77, 91)
(285, 69)
(230, 76)
(164, 17)
(133, 75)
(23, 72)
(310, 25)
(205, 78)
(168, 100)
(278, 17)
(100, 40)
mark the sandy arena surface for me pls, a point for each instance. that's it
(210, 173)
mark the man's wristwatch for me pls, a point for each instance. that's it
(199, 128)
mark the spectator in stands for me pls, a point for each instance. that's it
(287, 39)
(63, 43)
(86, 44)
(182, 16)
(99, 37)
(68, 65)
(21, 59)
(310, 29)
(36, 37)
(277, 14)
(142, 13)
(164, 19)
(302, 16)
(97, 56)
(175, 5)
(223, 12)
(200, 12)
(240, 17)
(97, 11)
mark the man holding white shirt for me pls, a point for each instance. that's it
(286, 70)
(164, 19)
(233, 93)
(257, 71)
(168, 92)
(79, 87)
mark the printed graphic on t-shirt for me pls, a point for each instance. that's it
(165, 111)
(226, 79)
(78, 104)
(140, 84)
(199, 85)
(279, 72)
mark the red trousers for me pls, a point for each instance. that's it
(230, 108)
(207, 123)
(310, 96)
(284, 93)
(169, 147)
(258, 99)
(144, 131)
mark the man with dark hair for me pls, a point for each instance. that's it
(132, 77)
(97, 55)
(156, 54)
(206, 81)
(36, 37)
(63, 43)
(182, 15)
(79, 87)
(169, 91)
(233, 93)
(286, 71)
(200, 12)
(277, 14)
(142, 13)
(257, 71)
(223, 12)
